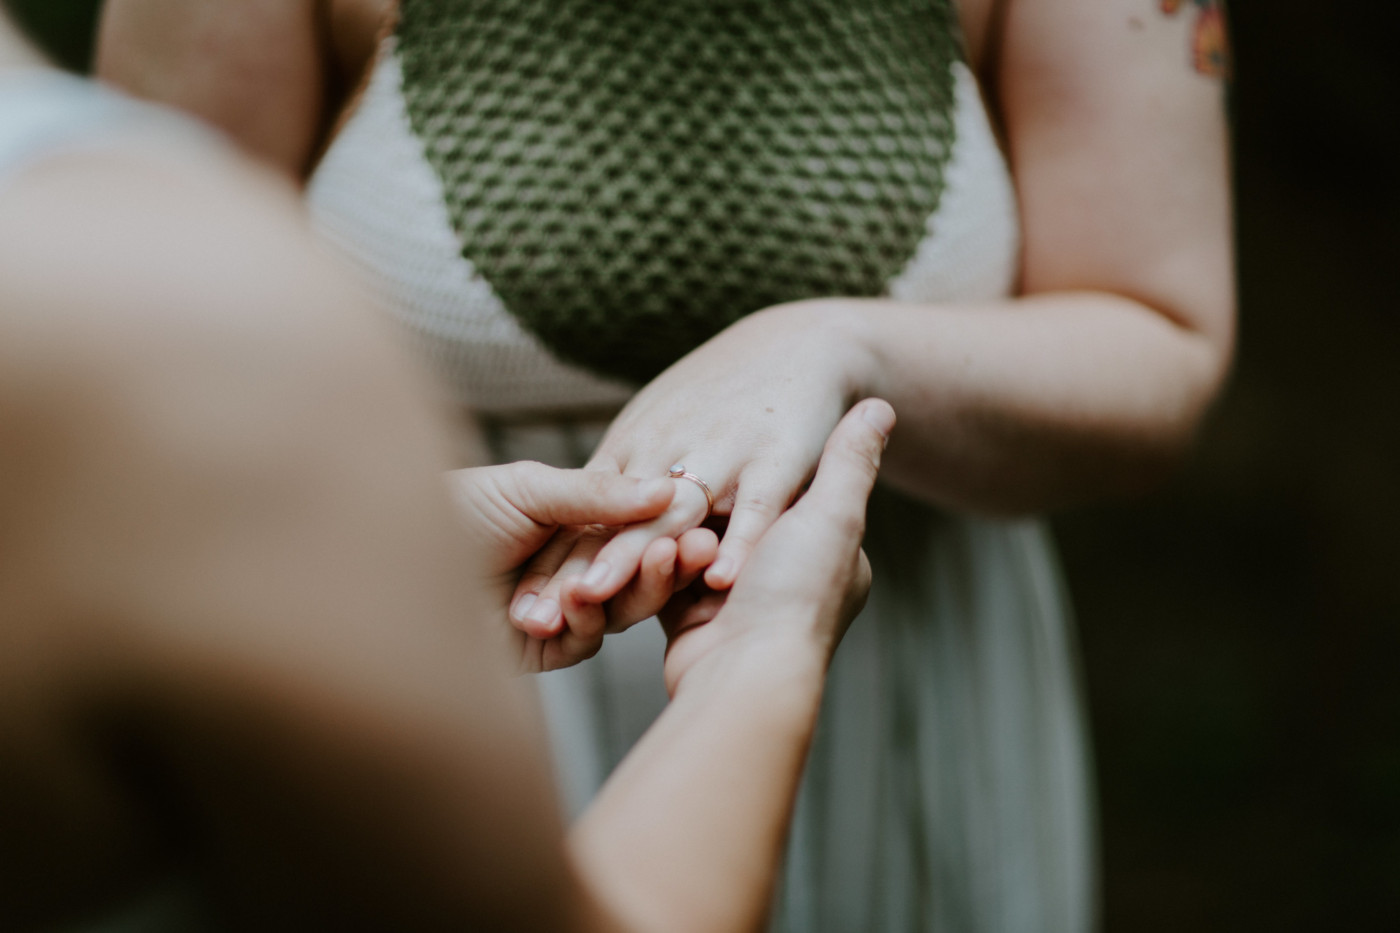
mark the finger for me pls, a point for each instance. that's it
(603, 459)
(547, 610)
(525, 613)
(676, 608)
(649, 590)
(534, 607)
(581, 637)
(864, 578)
(688, 609)
(617, 562)
(531, 654)
(692, 635)
(757, 504)
(581, 497)
(584, 622)
(849, 465)
(696, 550)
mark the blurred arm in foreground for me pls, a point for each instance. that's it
(236, 641)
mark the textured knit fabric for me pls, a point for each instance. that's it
(948, 786)
(634, 175)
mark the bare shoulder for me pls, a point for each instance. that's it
(1119, 104)
(98, 241)
(118, 201)
(1183, 40)
(113, 261)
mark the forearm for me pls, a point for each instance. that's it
(1093, 384)
(1025, 404)
(688, 833)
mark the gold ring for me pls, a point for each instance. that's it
(678, 471)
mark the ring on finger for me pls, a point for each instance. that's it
(678, 471)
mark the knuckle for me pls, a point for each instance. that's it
(865, 451)
(532, 581)
(760, 503)
(591, 537)
(529, 475)
(848, 523)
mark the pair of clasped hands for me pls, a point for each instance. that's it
(607, 546)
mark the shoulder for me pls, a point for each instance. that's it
(142, 237)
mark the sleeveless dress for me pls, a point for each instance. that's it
(559, 198)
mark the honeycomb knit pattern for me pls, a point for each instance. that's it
(632, 176)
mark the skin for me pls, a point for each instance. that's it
(1090, 383)
(244, 633)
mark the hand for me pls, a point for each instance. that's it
(511, 511)
(808, 576)
(667, 565)
(748, 412)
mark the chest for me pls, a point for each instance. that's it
(632, 177)
(610, 184)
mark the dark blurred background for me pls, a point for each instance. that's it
(1241, 630)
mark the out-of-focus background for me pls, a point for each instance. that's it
(1241, 630)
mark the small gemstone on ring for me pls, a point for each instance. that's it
(677, 469)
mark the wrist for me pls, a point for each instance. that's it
(843, 328)
(786, 668)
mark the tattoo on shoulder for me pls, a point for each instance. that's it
(1210, 47)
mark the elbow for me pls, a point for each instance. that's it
(1143, 445)
(1147, 453)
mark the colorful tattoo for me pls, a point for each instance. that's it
(1210, 47)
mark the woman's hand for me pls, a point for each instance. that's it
(748, 412)
(667, 566)
(515, 509)
(807, 578)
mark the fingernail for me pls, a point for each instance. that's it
(522, 606)
(724, 568)
(543, 611)
(879, 417)
(597, 574)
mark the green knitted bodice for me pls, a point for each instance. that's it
(632, 176)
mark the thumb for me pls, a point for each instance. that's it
(851, 461)
(584, 497)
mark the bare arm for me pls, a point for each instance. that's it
(1094, 382)
(746, 674)
(229, 558)
(223, 523)
(1089, 385)
(263, 71)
